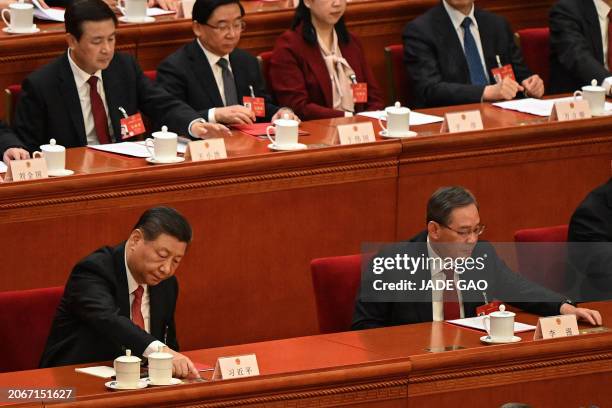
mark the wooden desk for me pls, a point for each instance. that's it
(388, 367)
(260, 216)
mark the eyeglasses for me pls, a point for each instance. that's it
(478, 230)
(225, 28)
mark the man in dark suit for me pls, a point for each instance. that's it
(449, 64)
(211, 74)
(11, 147)
(444, 251)
(79, 97)
(124, 297)
(579, 44)
(590, 248)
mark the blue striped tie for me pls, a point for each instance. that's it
(477, 72)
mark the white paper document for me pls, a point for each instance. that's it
(51, 14)
(538, 107)
(2, 167)
(134, 149)
(156, 11)
(416, 118)
(97, 371)
(477, 323)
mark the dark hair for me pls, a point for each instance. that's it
(81, 11)
(445, 200)
(164, 220)
(302, 16)
(202, 9)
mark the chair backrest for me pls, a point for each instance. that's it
(11, 97)
(152, 74)
(534, 43)
(25, 318)
(545, 265)
(398, 82)
(336, 282)
(264, 66)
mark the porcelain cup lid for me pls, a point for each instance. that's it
(52, 147)
(164, 134)
(502, 312)
(160, 354)
(593, 87)
(128, 358)
(397, 109)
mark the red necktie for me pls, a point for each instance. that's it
(98, 111)
(451, 299)
(137, 317)
(609, 41)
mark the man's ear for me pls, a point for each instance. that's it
(195, 27)
(135, 237)
(71, 40)
(433, 230)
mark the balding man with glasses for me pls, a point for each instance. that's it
(213, 76)
(448, 252)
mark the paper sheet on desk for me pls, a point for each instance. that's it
(2, 167)
(416, 118)
(156, 11)
(538, 107)
(134, 149)
(477, 323)
(97, 371)
(51, 14)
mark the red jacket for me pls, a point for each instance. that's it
(300, 79)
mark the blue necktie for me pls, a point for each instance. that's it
(477, 72)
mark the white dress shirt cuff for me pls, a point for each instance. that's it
(211, 116)
(607, 83)
(191, 124)
(152, 348)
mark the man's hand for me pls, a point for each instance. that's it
(171, 5)
(280, 114)
(234, 115)
(534, 86)
(208, 130)
(182, 366)
(504, 90)
(15, 153)
(588, 315)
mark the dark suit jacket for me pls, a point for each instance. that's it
(576, 49)
(590, 266)
(436, 63)
(49, 106)
(300, 79)
(92, 322)
(187, 75)
(502, 283)
(8, 139)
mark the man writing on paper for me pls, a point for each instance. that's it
(450, 51)
(78, 98)
(124, 297)
(212, 75)
(580, 45)
(453, 228)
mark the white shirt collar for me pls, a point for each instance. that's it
(432, 254)
(211, 56)
(602, 8)
(132, 284)
(457, 17)
(80, 76)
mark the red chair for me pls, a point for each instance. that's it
(152, 74)
(543, 264)
(399, 84)
(264, 67)
(534, 43)
(25, 318)
(11, 97)
(336, 282)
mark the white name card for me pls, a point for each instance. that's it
(209, 149)
(570, 110)
(236, 367)
(556, 326)
(462, 121)
(24, 170)
(355, 133)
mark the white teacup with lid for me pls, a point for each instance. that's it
(285, 132)
(500, 325)
(55, 156)
(163, 146)
(127, 370)
(398, 121)
(21, 17)
(160, 367)
(596, 97)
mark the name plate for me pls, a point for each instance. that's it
(236, 367)
(209, 149)
(24, 170)
(355, 133)
(570, 110)
(467, 121)
(556, 326)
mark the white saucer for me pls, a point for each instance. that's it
(173, 381)
(113, 385)
(489, 340)
(126, 19)
(32, 30)
(60, 173)
(175, 160)
(287, 147)
(410, 133)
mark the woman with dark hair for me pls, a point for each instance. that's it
(315, 65)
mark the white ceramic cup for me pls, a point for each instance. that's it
(500, 325)
(595, 96)
(163, 145)
(160, 367)
(133, 9)
(398, 120)
(127, 370)
(285, 132)
(54, 154)
(21, 17)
